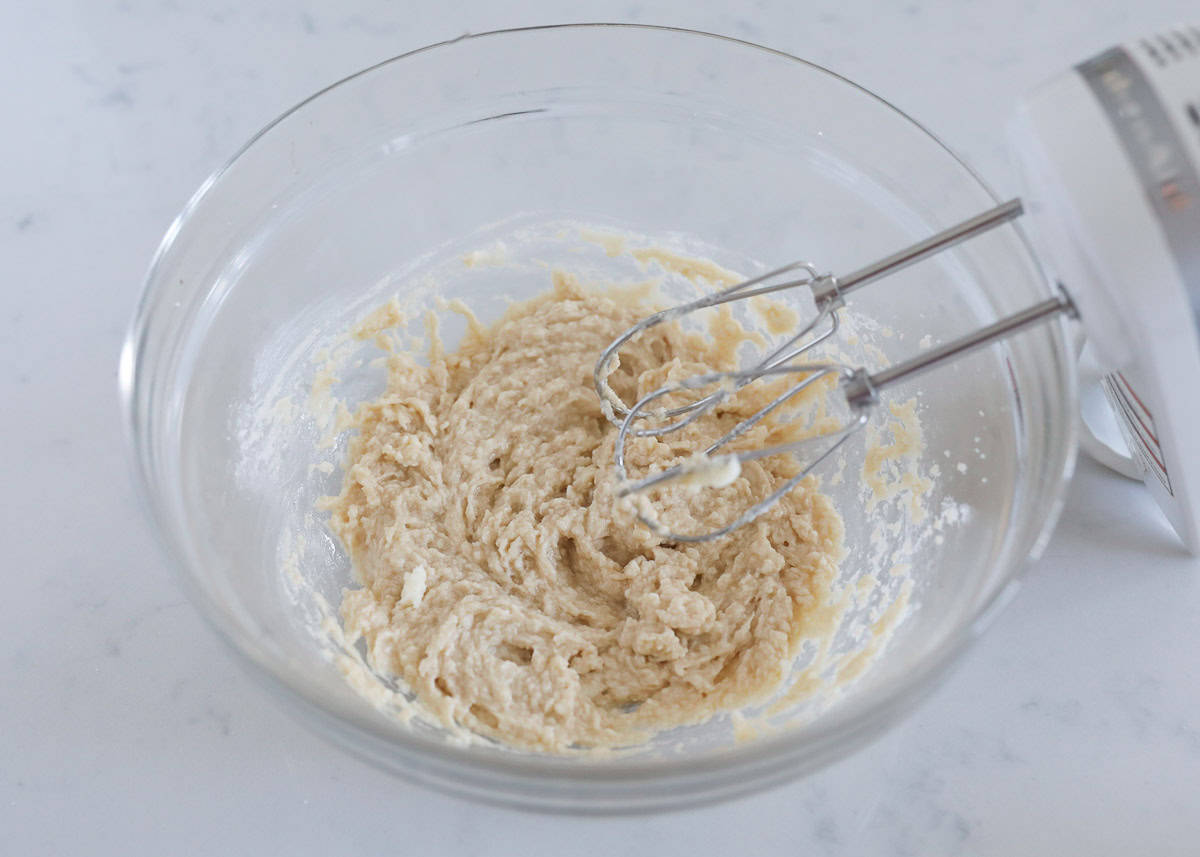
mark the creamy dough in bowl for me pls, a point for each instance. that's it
(502, 582)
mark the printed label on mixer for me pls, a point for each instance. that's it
(1157, 154)
(1137, 425)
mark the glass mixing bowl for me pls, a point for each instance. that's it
(687, 137)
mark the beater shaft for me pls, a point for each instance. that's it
(984, 336)
(943, 240)
(859, 389)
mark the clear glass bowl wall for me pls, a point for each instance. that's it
(664, 132)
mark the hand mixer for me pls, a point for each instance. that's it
(1110, 152)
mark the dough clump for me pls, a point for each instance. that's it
(503, 583)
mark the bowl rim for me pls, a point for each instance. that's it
(769, 753)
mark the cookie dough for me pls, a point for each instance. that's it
(506, 587)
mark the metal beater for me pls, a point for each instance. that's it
(859, 389)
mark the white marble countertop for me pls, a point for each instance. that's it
(126, 726)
